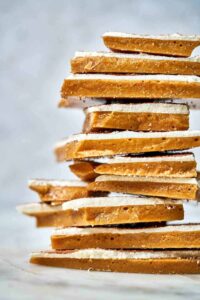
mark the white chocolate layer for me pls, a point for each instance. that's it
(135, 56)
(157, 77)
(121, 159)
(37, 208)
(147, 179)
(70, 231)
(128, 135)
(61, 183)
(156, 108)
(119, 254)
(117, 201)
(174, 37)
(82, 102)
(85, 102)
(171, 156)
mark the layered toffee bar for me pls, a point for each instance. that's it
(131, 86)
(137, 117)
(82, 146)
(178, 188)
(167, 165)
(111, 62)
(105, 211)
(129, 261)
(58, 190)
(172, 44)
(170, 236)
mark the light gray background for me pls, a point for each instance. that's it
(37, 40)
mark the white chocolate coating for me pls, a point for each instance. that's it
(156, 108)
(192, 181)
(82, 102)
(135, 56)
(56, 183)
(117, 201)
(164, 158)
(70, 231)
(119, 254)
(174, 37)
(85, 102)
(37, 208)
(128, 135)
(157, 77)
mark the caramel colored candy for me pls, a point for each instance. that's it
(174, 44)
(82, 146)
(104, 211)
(137, 117)
(169, 165)
(58, 190)
(170, 236)
(112, 62)
(178, 188)
(131, 86)
(129, 261)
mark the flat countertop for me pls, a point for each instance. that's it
(21, 280)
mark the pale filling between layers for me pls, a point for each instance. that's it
(146, 179)
(173, 158)
(56, 183)
(117, 201)
(129, 135)
(34, 208)
(85, 102)
(89, 231)
(133, 159)
(157, 108)
(135, 56)
(118, 254)
(157, 77)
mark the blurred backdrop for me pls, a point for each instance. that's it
(37, 40)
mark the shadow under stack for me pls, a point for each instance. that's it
(131, 159)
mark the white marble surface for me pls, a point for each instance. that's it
(32, 282)
(20, 280)
(37, 39)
